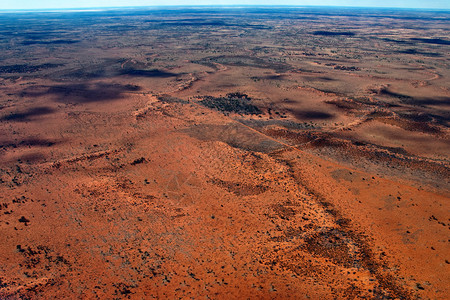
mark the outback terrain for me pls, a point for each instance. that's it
(224, 153)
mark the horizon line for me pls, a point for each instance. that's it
(97, 8)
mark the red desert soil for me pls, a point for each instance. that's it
(235, 179)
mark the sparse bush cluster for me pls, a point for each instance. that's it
(232, 102)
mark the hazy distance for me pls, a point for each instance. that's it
(52, 4)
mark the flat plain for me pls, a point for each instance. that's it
(251, 153)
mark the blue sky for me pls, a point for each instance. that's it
(40, 4)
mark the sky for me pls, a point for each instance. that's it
(48, 4)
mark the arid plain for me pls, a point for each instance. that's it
(260, 153)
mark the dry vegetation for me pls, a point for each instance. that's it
(264, 153)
